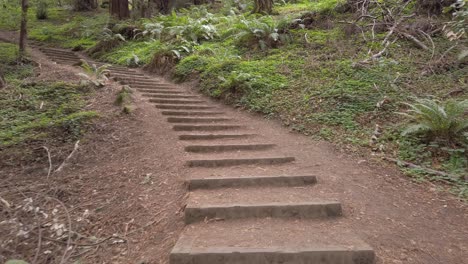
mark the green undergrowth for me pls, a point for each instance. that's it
(39, 111)
(128, 53)
(62, 27)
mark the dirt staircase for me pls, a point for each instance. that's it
(234, 215)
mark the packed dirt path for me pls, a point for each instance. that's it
(261, 194)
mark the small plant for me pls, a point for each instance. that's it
(262, 32)
(444, 121)
(457, 29)
(41, 11)
(123, 96)
(94, 75)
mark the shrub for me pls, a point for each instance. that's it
(94, 75)
(41, 11)
(437, 120)
(263, 32)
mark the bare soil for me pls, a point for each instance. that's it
(123, 188)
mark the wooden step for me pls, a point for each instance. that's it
(213, 136)
(270, 241)
(176, 101)
(305, 210)
(204, 127)
(160, 91)
(225, 162)
(197, 119)
(183, 107)
(250, 181)
(170, 96)
(227, 147)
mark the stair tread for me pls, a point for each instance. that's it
(262, 195)
(263, 241)
(216, 182)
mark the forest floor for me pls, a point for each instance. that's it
(124, 190)
(126, 180)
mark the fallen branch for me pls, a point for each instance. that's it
(50, 162)
(416, 41)
(69, 156)
(427, 170)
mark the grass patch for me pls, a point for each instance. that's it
(44, 110)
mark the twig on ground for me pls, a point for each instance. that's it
(39, 240)
(69, 156)
(416, 41)
(50, 162)
(430, 39)
(427, 170)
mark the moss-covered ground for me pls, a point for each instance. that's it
(35, 113)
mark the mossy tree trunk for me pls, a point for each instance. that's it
(23, 29)
(119, 9)
(263, 6)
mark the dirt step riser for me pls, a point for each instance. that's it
(191, 113)
(66, 60)
(219, 148)
(250, 181)
(270, 256)
(130, 76)
(62, 57)
(196, 119)
(174, 101)
(146, 81)
(214, 136)
(154, 84)
(126, 73)
(55, 50)
(239, 211)
(74, 63)
(170, 96)
(204, 127)
(112, 66)
(55, 53)
(131, 81)
(161, 91)
(212, 163)
(183, 107)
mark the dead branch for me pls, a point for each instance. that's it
(50, 162)
(427, 170)
(69, 156)
(39, 240)
(416, 41)
(430, 39)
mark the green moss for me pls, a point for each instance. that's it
(126, 52)
(9, 53)
(42, 110)
(322, 6)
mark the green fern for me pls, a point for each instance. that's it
(95, 75)
(437, 120)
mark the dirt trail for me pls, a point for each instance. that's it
(402, 221)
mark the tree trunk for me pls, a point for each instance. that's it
(119, 9)
(263, 6)
(162, 6)
(23, 30)
(85, 5)
(2, 81)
